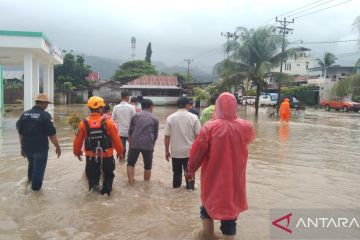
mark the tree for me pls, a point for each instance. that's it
(328, 60)
(134, 69)
(183, 78)
(256, 52)
(73, 71)
(348, 86)
(148, 53)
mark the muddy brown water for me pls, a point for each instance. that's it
(314, 162)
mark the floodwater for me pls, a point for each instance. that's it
(314, 162)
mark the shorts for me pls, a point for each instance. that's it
(134, 155)
(227, 227)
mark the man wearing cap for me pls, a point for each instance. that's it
(181, 129)
(101, 137)
(35, 128)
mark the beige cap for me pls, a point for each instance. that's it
(42, 98)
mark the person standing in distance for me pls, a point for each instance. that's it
(35, 128)
(143, 133)
(181, 129)
(122, 114)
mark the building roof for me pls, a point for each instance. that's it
(336, 67)
(25, 34)
(154, 81)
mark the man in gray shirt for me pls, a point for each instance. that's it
(143, 132)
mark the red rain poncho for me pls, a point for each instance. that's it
(221, 151)
(285, 110)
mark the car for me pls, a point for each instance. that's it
(338, 103)
(265, 100)
(250, 100)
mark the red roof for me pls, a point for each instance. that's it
(151, 80)
(93, 76)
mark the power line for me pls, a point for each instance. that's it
(306, 5)
(294, 10)
(322, 9)
(321, 4)
(326, 42)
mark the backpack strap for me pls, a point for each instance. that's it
(103, 124)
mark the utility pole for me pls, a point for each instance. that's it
(133, 46)
(229, 35)
(188, 63)
(283, 30)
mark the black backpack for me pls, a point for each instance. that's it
(97, 137)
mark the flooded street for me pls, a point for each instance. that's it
(314, 162)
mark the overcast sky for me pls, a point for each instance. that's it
(178, 29)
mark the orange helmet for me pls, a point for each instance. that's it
(96, 102)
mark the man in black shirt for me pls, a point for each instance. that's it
(35, 126)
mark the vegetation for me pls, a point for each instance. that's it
(72, 73)
(348, 87)
(183, 78)
(328, 60)
(74, 121)
(254, 55)
(304, 94)
(201, 94)
(148, 53)
(133, 69)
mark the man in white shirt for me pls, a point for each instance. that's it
(122, 114)
(181, 129)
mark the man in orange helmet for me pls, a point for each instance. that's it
(285, 110)
(101, 137)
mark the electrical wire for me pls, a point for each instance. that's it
(320, 10)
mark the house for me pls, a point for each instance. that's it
(93, 76)
(162, 90)
(334, 74)
(110, 91)
(298, 65)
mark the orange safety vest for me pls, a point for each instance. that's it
(94, 121)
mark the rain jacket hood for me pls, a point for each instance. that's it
(221, 151)
(226, 107)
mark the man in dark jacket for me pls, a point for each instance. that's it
(35, 127)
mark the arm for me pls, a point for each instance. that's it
(198, 152)
(131, 128)
(197, 127)
(115, 138)
(51, 133)
(156, 130)
(20, 136)
(55, 142)
(78, 141)
(167, 144)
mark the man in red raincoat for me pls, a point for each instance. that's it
(285, 110)
(221, 151)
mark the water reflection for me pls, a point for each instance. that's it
(310, 163)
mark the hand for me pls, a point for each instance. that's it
(167, 155)
(79, 156)
(58, 151)
(23, 154)
(189, 178)
(119, 157)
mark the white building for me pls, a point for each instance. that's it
(32, 51)
(298, 65)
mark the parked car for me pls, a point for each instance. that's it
(267, 100)
(250, 100)
(294, 103)
(337, 104)
(274, 98)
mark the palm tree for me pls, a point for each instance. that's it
(328, 60)
(254, 54)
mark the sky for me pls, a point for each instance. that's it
(178, 29)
